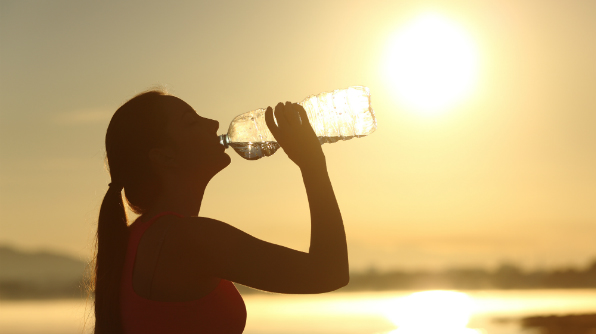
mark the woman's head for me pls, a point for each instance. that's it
(151, 139)
(154, 135)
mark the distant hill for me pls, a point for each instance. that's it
(39, 275)
(42, 275)
(507, 276)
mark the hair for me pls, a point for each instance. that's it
(136, 127)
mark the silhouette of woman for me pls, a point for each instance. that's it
(170, 271)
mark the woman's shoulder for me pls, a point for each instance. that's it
(200, 241)
(200, 231)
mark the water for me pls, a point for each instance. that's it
(254, 151)
(444, 312)
(257, 150)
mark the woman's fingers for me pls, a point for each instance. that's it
(290, 117)
(292, 114)
(294, 133)
(303, 115)
(280, 116)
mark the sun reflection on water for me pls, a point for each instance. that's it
(432, 312)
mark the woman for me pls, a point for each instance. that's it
(171, 271)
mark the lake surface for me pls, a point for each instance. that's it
(387, 312)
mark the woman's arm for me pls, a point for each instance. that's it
(229, 253)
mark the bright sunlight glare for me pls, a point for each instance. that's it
(432, 64)
(431, 312)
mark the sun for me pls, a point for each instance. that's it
(432, 64)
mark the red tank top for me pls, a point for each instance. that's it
(221, 311)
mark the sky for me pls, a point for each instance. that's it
(507, 173)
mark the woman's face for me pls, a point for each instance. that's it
(196, 143)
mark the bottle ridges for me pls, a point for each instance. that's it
(338, 115)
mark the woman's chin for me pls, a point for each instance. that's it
(227, 159)
(223, 161)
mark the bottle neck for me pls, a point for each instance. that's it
(224, 140)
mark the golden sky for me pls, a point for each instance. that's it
(508, 173)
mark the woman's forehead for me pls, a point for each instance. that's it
(175, 104)
(176, 109)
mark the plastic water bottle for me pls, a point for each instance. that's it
(338, 115)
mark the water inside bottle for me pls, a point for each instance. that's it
(257, 150)
(254, 151)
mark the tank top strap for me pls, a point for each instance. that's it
(137, 229)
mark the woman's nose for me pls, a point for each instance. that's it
(214, 125)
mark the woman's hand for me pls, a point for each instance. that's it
(295, 135)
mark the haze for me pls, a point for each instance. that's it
(508, 174)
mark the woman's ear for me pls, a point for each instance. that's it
(163, 158)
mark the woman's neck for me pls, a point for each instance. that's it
(184, 198)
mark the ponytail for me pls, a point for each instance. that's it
(112, 238)
(136, 127)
